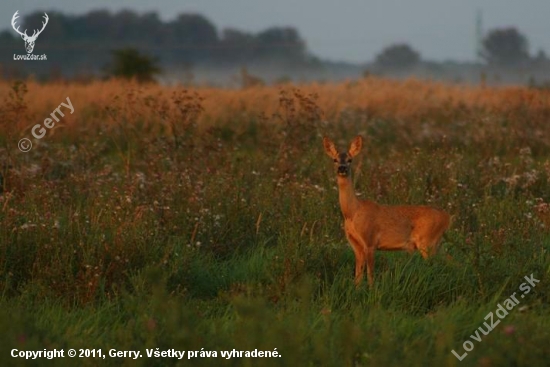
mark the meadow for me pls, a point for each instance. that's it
(198, 218)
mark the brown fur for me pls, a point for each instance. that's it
(370, 226)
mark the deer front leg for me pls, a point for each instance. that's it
(359, 259)
(359, 267)
(370, 265)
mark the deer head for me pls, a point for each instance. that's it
(342, 161)
(29, 40)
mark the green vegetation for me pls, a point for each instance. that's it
(134, 230)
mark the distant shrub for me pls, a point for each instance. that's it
(128, 63)
(400, 56)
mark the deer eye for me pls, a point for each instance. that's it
(349, 160)
(335, 160)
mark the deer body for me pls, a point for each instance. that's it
(370, 226)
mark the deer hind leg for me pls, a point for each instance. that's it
(429, 238)
(425, 245)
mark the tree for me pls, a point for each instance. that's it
(399, 56)
(236, 46)
(128, 63)
(79, 43)
(281, 43)
(505, 47)
(196, 36)
(6, 38)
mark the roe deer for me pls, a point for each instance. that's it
(370, 226)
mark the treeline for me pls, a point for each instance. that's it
(76, 43)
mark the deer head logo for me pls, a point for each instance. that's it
(29, 40)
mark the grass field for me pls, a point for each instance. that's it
(208, 220)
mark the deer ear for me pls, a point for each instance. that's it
(355, 146)
(330, 149)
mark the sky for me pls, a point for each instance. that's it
(343, 30)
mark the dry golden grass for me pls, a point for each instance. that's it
(411, 99)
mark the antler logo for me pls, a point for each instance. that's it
(29, 40)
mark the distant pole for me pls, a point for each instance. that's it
(479, 36)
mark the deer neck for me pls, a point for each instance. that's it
(348, 201)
